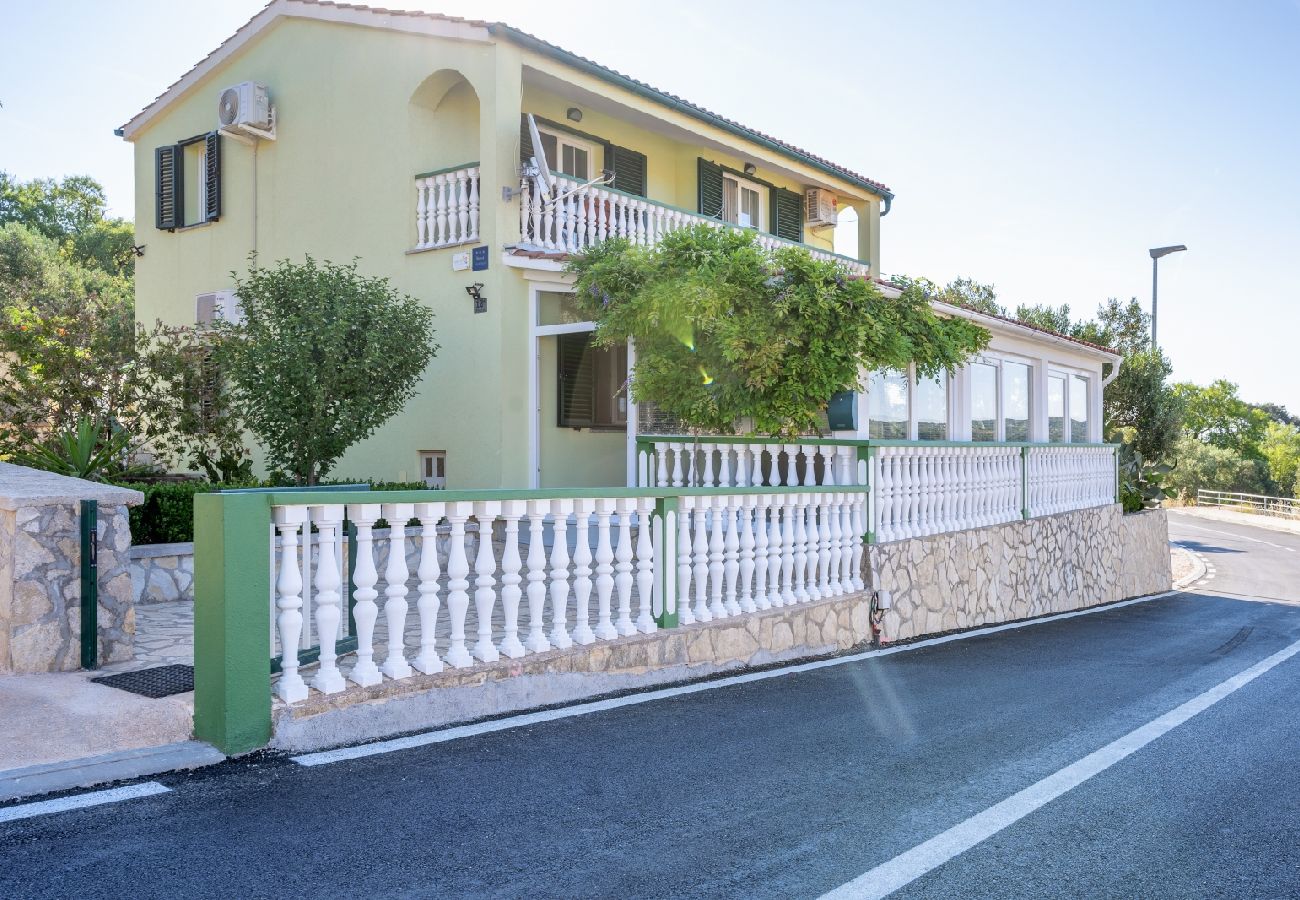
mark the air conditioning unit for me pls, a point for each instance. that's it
(245, 106)
(214, 305)
(820, 207)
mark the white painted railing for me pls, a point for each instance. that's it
(573, 215)
(549, 573)
(702, 462)
(1261, 504)
(447, 207)
(1068, 477)
(922, 490)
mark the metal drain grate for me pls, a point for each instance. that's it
(162, 681)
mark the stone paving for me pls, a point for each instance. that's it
(164, 635)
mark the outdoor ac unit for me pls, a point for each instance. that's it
(213, 305)
(245, 105)
(820, 207)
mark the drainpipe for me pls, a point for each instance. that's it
(1113, 372)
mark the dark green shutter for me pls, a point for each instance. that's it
(212, 199)
(169, 186)
(787, 214)
(710, 195)
(628, 167)
(525, 140)
(577, 381)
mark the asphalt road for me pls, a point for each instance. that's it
(789, 787)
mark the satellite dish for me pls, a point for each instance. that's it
(539, 155)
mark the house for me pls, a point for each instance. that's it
(465, 160)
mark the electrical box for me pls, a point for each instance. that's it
(842, 411)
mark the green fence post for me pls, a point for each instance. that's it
(1024, 482)
(232, 621)
(665, 519)
(90, 584)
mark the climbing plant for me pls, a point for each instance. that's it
(729, 335)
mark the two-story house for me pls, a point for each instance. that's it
(465, 160)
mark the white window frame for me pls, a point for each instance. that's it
(1091, 383)
(913, 420)
(745, 183)
(561, 139)
(1000, 426)
(433, 456)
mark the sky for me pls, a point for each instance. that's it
(1039, 147)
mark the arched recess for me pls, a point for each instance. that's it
(444, 121)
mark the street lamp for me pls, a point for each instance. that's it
(1156, 253)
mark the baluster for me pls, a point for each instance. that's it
(288, 587)
(511, 511)
(582, 633)
(884, 487)
(831, 584)
(364, 671)
(440, 233)
(485, 567)
(538, 203)
(600, 220)
(677, 451)
(421, 213)
(717, 550)
(473, 204)
(525, 209)
(789, 591)
(812, 581)
(645, 564)
(328, 679)
(791, 452)
(537, 642)
(730, 554)
(724, 465)
(605, 629)
(661, 464)
(702, 613)
(707, 451)
(580, 220)
(457, 584)
(858, 504)
(801, 593)
(745, 511)
(846, 541)
(462, 206)
(809, 452)
(429, 514)
(742, 465)
(560, 510)
(395, 590)
(623, 580)
(549, 236)
(685, 615)
(762, 559)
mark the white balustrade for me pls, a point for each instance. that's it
(447, 208)
(1068, 477)
(677, 462)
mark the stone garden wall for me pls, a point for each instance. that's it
(40, 570)
(1019, 570)
(161, 573)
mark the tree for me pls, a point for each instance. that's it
(727, 334)
(1216, 415)
(963, 292)
(323, 357)
(1203, 466)
(1280, 448)
(1278, 413)
(72, 213)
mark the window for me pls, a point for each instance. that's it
(187, 182)
(567, 154)
(983, 402)
(887, 406)
(433, 468)
(1078, 409)
(1015, 401)
(932, 408)
(742, 202)
(1056, 408)
(590, 383)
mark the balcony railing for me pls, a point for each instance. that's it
(573, 215)
(447, 207)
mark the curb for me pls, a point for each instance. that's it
(1198, 570)
(91, 770)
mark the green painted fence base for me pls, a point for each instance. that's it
(232, 621)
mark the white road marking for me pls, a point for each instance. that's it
(924, 858)
(1238, 536)
(81, 801)
(581, 709)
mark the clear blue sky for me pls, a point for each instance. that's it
(1042, 147)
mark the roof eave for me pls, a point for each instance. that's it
(998, 323)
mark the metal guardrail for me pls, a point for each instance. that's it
(1260, 504)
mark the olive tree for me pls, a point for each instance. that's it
(323, 356)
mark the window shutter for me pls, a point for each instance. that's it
(577, 382)
(628, 167)
(525, 140)
(710, 189)
(212, 199)
(787, 214)
(169, 186)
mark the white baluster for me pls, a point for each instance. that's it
(364, 671)
(537, 642)
(538, 203)
(580, 224)
(677, 451)
(421, 213)
(328, 679)
(731, 554)
(745, 511)
(525, 210)
(702, 612)
(724, 465)
(858, 504)
(605, 629)
(717, 550)
(645, 564)
(684, 614)
(661, 464)
(473, 204)
(742, 465)
(846, 541)
(441, 208)
(582, 633)
(791, 453)
(485, 567)
(288, 587)
(457, 584)
(560, 510)
(462, 206)
(789, 541)
(762, 559)
(429, 514)
(814, 547)
(831, 584)
(395, 590)
(623, 580)
(707, 451)
(548, 222)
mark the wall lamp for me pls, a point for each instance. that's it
(475, 290)
(573, 114)
(750, 168)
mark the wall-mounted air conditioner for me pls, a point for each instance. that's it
(246, 108)
(213, 305)
(820, 207)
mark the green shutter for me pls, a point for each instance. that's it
(628, 167)
(576, 382)
(169, 186)
(710, 196)
(787, 214)
(525, 140)
(212, 197)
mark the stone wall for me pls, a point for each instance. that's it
(161, 573)
(40, 570)
(1018, 570)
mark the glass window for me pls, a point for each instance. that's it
(742, 202)
(566, 154)
(932, 408)
(1078, 409)
(887, 405)
(558, 308)
(591, 383)
(1056, 408)
(983, 402)
(1015, 401)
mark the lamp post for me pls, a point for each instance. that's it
(1156, 253)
